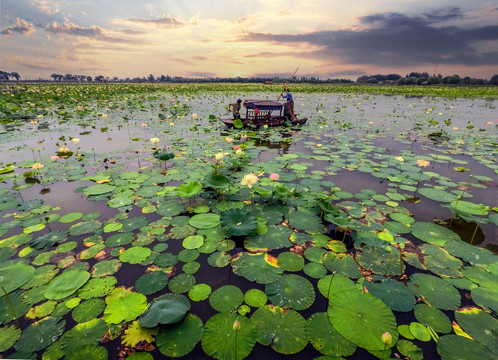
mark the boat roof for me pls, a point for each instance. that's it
(263, 104)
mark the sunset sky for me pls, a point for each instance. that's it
(227, 38)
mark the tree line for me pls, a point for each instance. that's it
(413, 78)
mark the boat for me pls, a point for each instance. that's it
(264, 112)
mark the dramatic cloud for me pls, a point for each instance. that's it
(166, 22)
(21, 26)
(94, 32)
(394, 39)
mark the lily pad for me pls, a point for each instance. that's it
(435, 291)
(8, 336)
(290, 261)
(123, 305)
(433, 317)
(199, 292)
(41, 334)
(13, 275)
(454, 347)
(177, 340)
(135, 255)
(261, 268)
(325, 338)
(151, 282)
(226, 298)
(88, 310)
(66, 284)
(292, 291)
(255, 298)
(166, 309)
(433, 234)
(393, 293)
(205, 221)
(237, 222)
(481, 326)
(98, 189)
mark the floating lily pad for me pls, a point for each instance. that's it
(177, 340)
(479, 325)
(88, 310)
(255, 298)
(223, 340)
(237, 222)
(98, 189)
(226, 298)
(166, 309)
(325, 338)
(152, 282)
(433, 317)
(193, 242)
(293, 291)
(69, 218)
(8, 336)
(381, 261)
(290, 261)
(437, 194)
(88, 333)
(285, 331)
(199, 292)
(454, 347)
(261, 268)
(410, 350)
(135, 255)
(13, 275)
(66, 284)
(97, 287)
(433, 234)
(393, 293)
(205, 221)
(371, 318)
(181, 283)
(88, 352)
(436, 292)
(485, 298)
(123, 305)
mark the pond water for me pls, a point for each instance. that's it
(380, 216)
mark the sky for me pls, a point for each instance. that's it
(248, 38)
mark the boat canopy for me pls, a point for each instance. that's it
(263, 104)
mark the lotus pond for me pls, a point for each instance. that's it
(134, 225)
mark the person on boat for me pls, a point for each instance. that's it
(288, 110)
(288, 96)
(235, 108)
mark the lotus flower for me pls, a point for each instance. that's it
(249, 180)
(274, 176)
(37, 166)
(239, 152)
(229, 139)
(75, 140)
(387, 338)
(54, 158)
(423, 163)
(236, 147)
(63, 150)
(154, 140)
(400, 158)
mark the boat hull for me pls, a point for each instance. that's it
(270, 121)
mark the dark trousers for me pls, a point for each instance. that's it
(287, 117)
(236, 116)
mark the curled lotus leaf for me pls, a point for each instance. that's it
(163, 156)
(166, 309)
(188, 190)
(48, 240)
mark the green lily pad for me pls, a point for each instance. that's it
(237, 222)
(223, 340)
(165, 309)
(433, 317)
(277, 237)
(205, 221)
(41, 334)
(372, 318)
(436, 292)
(97, 287)
(393, 293)
(8, 336)
(177, 340)
(69, 218)
(420, 331)
(135, 255)
(433, 234)
(325, 338)
(151, 282)
(255, 298)
(409, 349)
(290, 261)
(88, 310)
(293, 291)
(188, 190)
(199, 292)
(261, 268)
(479, 325)
(88, 352)
(485, 298)
(13, 275)
(226, 298)
(454, 347)
(181, 283)
(437, 194)
(98, 189)
(217, 181)
(123, 305)
(193, 242)
(381, 261)
(285, 331)
(66, 284)
(88, 333)
(120, 201)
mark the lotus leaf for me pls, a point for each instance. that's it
(261, 268)
(88, 352)
(470, 253)
(462, 208)
(48, 240)
(436, 292)
(205, 221)
(170, 208)
(325, 338)
(85, 227)
(481, 326)
(219, 259)
(404, 330)
(454, 347)
(66, 284)
(485, 298)
(309, 222)
(163, 156)
(88, 310)
(237, 222)
(199, 292)
(13, 275)
(120, 201)
(181, 283)
(345, 265)
(135, 334)
(482, 277)
(285, 331)
(135, 255)
(290, 261)
(331, 284)
(41, 334)
(97, 287)
(410, 350)
(88, 333)
(293, 291)
(381, 261)
(193, 242)
(123, 305)
(315, 271)
(226, 298)
(151, 282)
(217, 181)
(277, 237)
(68, 218)
(99, 189)
(188, 190)
(166, 309)
(433, 317)
(437, 194)
(255, 298)
(177, 340)
(371, 318)
(17, 302)
(420, 331)
(8, 336)
(433, 234)
(393, 293)
(221, 340)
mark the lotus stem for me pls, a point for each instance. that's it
(383, 351)
(11, 307)
(475, 230)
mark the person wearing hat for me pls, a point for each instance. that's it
(288, 96)
(235, 109)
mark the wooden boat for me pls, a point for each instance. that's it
(264, 112)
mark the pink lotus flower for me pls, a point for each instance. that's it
(274, 176)
(236, 147)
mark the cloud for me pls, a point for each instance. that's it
(394, 39)
(166, 22)
(95, 32)
(202, 74)
(46, 6)
(21, 26)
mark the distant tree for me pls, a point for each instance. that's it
(99, 78)
(16, 75)
(454, 79)
(494, 80)
(433, 80)
(151, 78)
(89, 79)
(4, 76)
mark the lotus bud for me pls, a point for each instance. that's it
(387, 338)
(388, 248)
(236, 325)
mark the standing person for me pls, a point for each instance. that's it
(289, 96)
(287, 110)
(235, 109)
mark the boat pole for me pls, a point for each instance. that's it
(287, 83)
